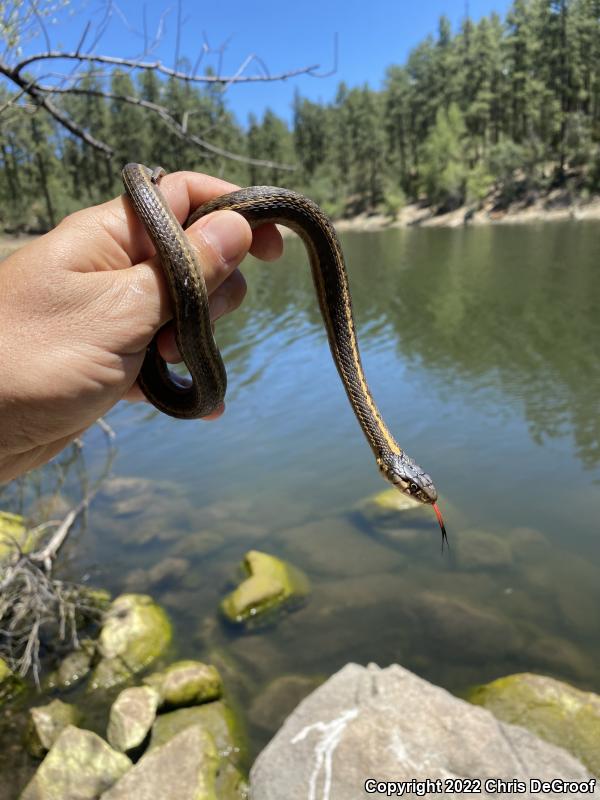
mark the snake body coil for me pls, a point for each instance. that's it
(259, 205)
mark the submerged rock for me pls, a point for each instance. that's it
(216, 718)
(270, 708)
(477, 549)
(186, 682)
(164, 572)
(335, 546)
(131, 717)
(390, 726)
(46, 723)
(462, 629)
(79, 766)
(271, 585)
(73, 667)
(553, 710)
(388, 506)
(184, 768)
(398, 520)
(135, 632)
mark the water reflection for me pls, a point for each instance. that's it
(481, 347)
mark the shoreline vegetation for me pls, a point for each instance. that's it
(556, 206)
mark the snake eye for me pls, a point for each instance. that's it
(413, 488)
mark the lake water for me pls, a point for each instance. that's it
(482, 348)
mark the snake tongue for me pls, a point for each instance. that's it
(440, 519)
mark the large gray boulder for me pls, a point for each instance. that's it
(389, 726)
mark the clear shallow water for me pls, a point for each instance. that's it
(482, 348)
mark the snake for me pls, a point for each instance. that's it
(198, 397)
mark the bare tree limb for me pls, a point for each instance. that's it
(30, 88)
(158, 66)
(179, 129)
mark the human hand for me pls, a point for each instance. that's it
(79, 306)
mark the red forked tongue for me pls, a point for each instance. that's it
(438, 514)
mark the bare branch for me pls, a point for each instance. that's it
(82, 39)
(48, 553)
(158, 66)
(175, 126)
(41, 100)
(11, 101)
(334, 68)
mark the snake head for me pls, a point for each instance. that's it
(406, 475)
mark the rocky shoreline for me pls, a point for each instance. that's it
(557, 206)
(127, 721)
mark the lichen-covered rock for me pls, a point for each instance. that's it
(73, 667)
(271, 584)
(46, 723)
(135, 632)
(131, 717)
(477, 549)
(186, 682)
(79, 766)
(553, 710)
(184, 768)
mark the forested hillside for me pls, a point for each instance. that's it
(511, 105)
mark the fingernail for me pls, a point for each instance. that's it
(225, 232)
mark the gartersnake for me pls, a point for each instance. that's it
(194, 336)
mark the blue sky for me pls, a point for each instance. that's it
(285, 35)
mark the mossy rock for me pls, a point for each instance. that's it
(217, 718)
(186, 683)
(10, 684)
(46, 723)
(79, 765)
(271, 585)
(219, 721)
(12, 531)
(551, 709)
(131, 717)
(135, 632)
(390, 501)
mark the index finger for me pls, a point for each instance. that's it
(184, 192)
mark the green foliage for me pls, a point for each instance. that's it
(394, 201)
(478, 184)
(507, 105)
(444, 173)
